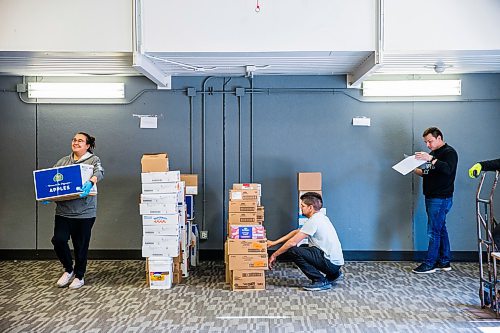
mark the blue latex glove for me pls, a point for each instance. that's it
(86, 188)
(46, 202)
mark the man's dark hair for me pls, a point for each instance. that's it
(312, 198)
(434, 131)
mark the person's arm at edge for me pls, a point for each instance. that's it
(293, 241)
(490, 165)
(283, 239)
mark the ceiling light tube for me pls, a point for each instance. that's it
(75, 90)
(412, 88)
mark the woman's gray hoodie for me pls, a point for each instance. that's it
(81, 207)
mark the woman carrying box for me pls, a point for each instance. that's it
(75, 218)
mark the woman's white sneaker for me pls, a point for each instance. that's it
(64, 279)
(77, 283)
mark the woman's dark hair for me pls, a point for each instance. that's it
(312, 198)
(90, 141)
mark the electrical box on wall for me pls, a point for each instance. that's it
(361, 121)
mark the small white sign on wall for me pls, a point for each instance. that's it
(149, 122)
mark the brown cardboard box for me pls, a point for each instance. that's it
(244, 195)
(246, 231)
(242, 218)
(307, 181)
(190, 179)
(177, 277)
(247, 261)
(260, 214)
(246, 246)
(248, 280)
(244, 206)
(228, 274)
(154, 162)
(248, 186)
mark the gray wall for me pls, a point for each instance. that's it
(275, 132)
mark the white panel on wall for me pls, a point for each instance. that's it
(66, 26)
(441, 25)
(281, 25)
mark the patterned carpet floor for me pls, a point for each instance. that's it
(372, 297)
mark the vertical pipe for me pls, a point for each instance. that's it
(191, 134)
(251, 130)
(203, 148)
(239, 139)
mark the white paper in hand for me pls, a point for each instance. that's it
(408, 165)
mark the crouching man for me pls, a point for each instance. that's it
(322, 260)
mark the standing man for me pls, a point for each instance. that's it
(438, 184)
(322, 259)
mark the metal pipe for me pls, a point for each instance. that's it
(203, 149)
(191, 134)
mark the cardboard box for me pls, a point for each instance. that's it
(246, 246)
(260, 214)
(160, 177)
(160, 240)
(191, 181)
(243, 206)
(161, 230)
(160, 219)
(247, 232)
(162, 198)
(160, 273)
(157, 251)
(244, 195)
(248, 261)
(177, 278)
(156, 208)
(242, 218)
(161, 188)
(62, 183)
(248, 280)
(307, 181)
(154, 162)
(228, 273)
(248, 186)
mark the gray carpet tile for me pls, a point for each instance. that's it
(372, 297)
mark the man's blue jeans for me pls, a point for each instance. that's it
(438, 251)
(312, 262)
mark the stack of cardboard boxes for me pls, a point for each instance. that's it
(307, 182)
(246, 244)
(163, 222)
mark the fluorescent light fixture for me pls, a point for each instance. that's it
(411, 88)
(75, 90)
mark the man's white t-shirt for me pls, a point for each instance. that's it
(322, 234)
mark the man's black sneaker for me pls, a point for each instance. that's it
(443, 267)
(336, 279)
(318, 285)
(424, 269)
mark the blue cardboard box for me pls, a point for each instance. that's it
(62, 183)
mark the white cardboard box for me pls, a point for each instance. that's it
(160, 177)
(155, 208)
(160, 219)
(162, 198)
(161, 230)
(158, 188)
